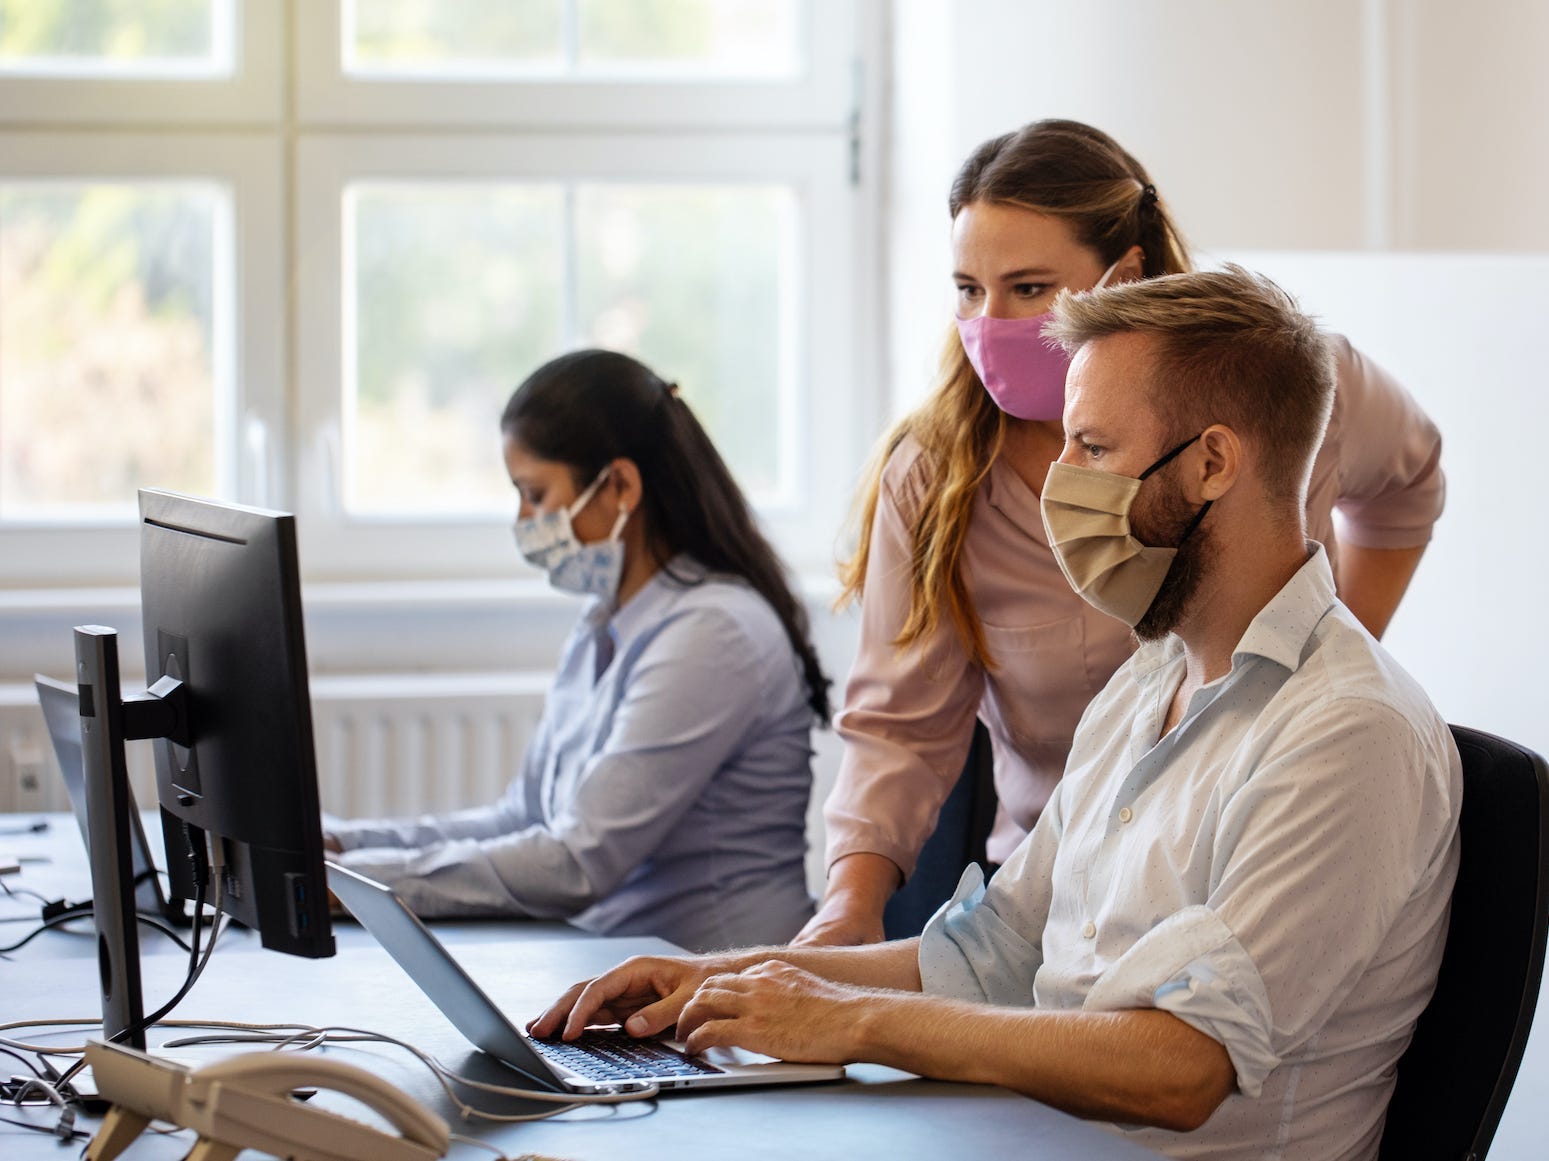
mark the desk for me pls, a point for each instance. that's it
(878, 1112)
(54, 865)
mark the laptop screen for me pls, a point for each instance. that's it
(62, 713)
(439, 976)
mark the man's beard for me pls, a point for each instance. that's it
(1163, 524)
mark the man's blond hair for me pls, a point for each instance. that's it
(1232, 348)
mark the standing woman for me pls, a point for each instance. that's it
(665, 790)
(964, 612)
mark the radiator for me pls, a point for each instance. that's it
(386, 743)
(400, 744)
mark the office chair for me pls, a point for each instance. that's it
(962, 828)
(1454, 1078)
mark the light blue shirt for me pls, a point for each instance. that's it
(664, 791)
(1275, 871)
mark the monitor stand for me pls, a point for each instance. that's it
(107, 721)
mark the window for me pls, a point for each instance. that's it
(115, 335)
(299, 255)
(122, 62)
(116, 38)
(449, 286)
(140, 338)
(736, 39)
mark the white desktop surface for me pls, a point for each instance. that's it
(877, 1112)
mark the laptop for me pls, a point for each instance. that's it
(62, 712)
(598, 1062)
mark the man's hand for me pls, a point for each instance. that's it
(645, 993)
(778, 1010)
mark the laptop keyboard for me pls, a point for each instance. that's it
(610, 1056)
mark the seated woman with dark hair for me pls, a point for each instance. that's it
(665, 789)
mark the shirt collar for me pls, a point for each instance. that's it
(1280, 630)
(1008, 493)
(645, 607)
(1279, 633)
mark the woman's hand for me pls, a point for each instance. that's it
(645, 993)
(859, 886)
(841, 922)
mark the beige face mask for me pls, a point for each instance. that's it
(1086, 517)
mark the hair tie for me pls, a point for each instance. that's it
(1148, 196)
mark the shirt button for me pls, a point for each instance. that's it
(1088, 930)
(1125, 814)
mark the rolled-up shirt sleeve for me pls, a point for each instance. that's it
(1207, 980)
(985, 943)
(1317, 856)
(692, 699)
(908, 713)
(1391, 487)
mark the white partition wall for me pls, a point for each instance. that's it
(1464, 333)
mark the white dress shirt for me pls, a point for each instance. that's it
(1276, 871)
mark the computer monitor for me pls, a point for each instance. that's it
(228, 703)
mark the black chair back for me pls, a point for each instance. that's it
(962, 828)
(1454, 1078)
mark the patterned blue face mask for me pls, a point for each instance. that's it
(548, 541)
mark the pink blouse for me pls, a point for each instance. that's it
(908, 713)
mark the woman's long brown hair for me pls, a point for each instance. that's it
(1063, 169)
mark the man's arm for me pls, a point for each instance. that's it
(647, 994)
(1143, 1067)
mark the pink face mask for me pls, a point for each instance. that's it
(1023, 372)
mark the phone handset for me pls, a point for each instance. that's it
(245, 1103)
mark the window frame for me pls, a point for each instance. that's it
(820, 96)
(265, 132)
(251, 94)
(95, 550)
(336, 544)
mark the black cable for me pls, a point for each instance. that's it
(47, 924)
(31, 1067)
(195, 968)
(53, 1131)
(18, 892)
(62, 1098)
(195, 964)
(83, 911)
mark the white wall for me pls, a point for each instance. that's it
(1463, 333)
(1386, 159)
(1323, 125)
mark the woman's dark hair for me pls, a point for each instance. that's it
(589, 408)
